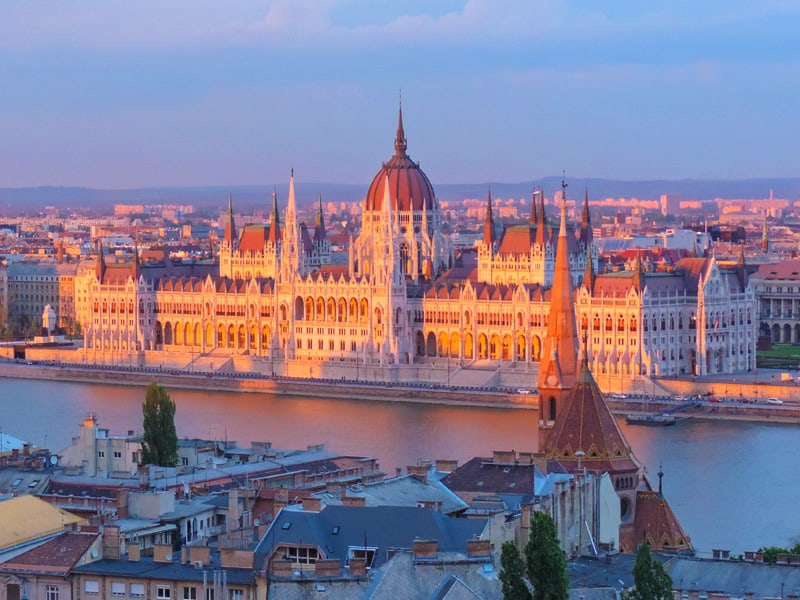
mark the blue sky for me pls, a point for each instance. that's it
(120, 94)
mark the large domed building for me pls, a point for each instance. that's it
(401, 197)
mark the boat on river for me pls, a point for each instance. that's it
(654, 420)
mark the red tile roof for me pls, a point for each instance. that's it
(655, 524)
(58, 554)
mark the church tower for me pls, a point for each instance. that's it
(559, 366)
(291, 258)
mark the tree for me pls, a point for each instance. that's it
(160, 443)
(547, 567)
(650, 580)
(512, 573)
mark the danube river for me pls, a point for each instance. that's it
(732, 484)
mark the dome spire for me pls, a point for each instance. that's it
(400, 144)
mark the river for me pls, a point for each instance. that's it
(731, 484)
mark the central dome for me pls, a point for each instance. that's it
(409, 187)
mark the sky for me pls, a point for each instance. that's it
(126, 94)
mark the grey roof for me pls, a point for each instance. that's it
(405, 490)
(335, 528)
(734, 577)
(147, 568)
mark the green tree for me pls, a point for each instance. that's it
(512, 573)
(547, 567)
(160, 443)
(650, 580)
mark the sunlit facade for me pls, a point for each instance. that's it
(403, 297)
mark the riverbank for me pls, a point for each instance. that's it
(735, 409)
(420, 393)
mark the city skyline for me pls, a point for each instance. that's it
(113, 95)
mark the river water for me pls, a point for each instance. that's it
(732, 484)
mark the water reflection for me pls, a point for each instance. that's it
(731, 484)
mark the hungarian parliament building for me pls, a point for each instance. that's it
(279, 297)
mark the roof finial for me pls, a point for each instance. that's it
(660, 477)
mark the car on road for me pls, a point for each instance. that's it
(774, 401)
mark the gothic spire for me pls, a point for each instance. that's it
(588, 275)
(230, 227)
(536, 192)
(586, 223)
(275, 225)
(561, 341)
(489, 235)
(764, 238)
(319, 231)
(541, 222)
(100, 266)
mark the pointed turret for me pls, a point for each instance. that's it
(638, 275)
(275, 225)
(230, 227)
(559, 366)
(541, 223)
(136, 267)
(588, 274)
(740, 262)
(586, 224)
(764, 239)
(536, 192)
(100, 266)
(489, 235)
(319, 226)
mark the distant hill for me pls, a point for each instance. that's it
(33, 199)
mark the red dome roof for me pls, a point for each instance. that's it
(408, 185)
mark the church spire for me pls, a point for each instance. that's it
(230, 227)
(559, 367)
(536, 192)
(489, 235)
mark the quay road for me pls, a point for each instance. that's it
(709, 406)
(415, 392)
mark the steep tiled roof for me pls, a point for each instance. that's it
(655, 524)
(788, 269)
(58, 554)
(254, 238)
(587, 425)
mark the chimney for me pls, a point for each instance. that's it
(479, 549)
(419, 472)
(334, 488)
(426, 549)
(199, 554)
(503, 457)
(122, 503)
(358, 567)
(446, 465)
(327, 568)
(111, 542)
(162, 553)
(354, 501)
(233, 509)
(134, 552)
(312, 504)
